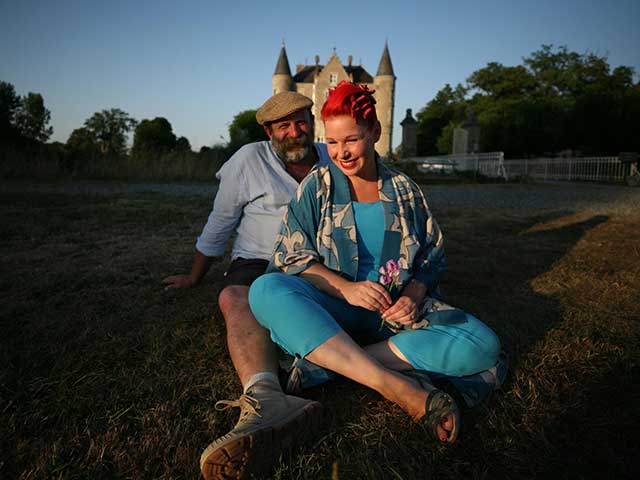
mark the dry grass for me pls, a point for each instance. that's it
(105, 375)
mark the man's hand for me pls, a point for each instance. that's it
(367, 294)
(178, 281)
(404, 311)
(201, 264)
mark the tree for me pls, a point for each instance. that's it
(82, 139)
(500, 82)
(9, 103)
(183, 145)
(153, 138)
(245, 129)
(555, 100)
(32, 118)
(110, 129)
(447, 106)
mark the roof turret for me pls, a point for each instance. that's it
(385, 67)
(282, 67)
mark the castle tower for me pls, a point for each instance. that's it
(282, 81)
(385, 85)
(315, 80)
(409, 135)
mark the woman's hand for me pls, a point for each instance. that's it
(404, 311)
(367, 294)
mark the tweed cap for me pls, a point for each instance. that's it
(281, 105)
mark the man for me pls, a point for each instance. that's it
(256, 185)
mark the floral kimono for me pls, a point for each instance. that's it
(319, 226)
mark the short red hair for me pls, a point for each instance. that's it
(351, 99)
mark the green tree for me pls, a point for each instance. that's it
(32, 118)
(555, 100)
(500, 82)
(245, 129)
(110, 129)
(153, 138)
(445, 140)
(183, 145)
(447, 106)
(9, 103)
(82, 139)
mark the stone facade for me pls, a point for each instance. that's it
(314, 81)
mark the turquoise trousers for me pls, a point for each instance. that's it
(300, 318)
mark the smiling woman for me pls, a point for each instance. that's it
(347, 220)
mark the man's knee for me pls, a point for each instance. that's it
(233, 298)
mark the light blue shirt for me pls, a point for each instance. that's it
(254, 191)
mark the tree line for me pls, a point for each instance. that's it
(103, 139)
(556, 100)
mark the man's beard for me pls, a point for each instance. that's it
(293, 150)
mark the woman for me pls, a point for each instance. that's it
(353, 226)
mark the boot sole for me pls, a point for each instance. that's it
(255, 453)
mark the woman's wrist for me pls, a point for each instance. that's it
(415, 290)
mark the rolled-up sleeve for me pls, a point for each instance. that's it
(227, 210)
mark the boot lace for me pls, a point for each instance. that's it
(247, 405)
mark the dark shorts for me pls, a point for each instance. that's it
(243, 271)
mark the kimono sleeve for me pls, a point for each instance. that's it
(295, 248)
(429, 263)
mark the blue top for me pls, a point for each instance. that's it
(254, 192)
(369, 220)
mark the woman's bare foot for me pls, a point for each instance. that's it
(414, 402)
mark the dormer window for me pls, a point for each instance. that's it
(333, 79)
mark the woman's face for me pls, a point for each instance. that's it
(351, 145)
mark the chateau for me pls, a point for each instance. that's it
(314, 81)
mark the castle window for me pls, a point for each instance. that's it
(333, 79)
(326, 93)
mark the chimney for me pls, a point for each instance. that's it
(317, 59)
(350, 59)
(299, 67)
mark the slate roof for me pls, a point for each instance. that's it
(282, 67)
(309, 72)
(385, 67)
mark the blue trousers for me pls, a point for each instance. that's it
(300, 318)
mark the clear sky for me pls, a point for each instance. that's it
(198, 63)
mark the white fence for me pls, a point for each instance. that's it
(489, 164)
(493, 165)
(595, 169)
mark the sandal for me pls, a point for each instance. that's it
(439, 404)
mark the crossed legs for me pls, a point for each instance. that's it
(342, 355)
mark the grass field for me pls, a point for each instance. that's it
(103, 374)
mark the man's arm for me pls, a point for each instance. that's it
(224, 217)
(200, 267)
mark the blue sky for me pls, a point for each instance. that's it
(198, 63)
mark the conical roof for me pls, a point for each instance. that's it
(385, 67)
(282, 67)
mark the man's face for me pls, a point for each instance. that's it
(292, 136)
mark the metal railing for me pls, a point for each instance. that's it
(493, 165)
(490, 164)
(594, 169)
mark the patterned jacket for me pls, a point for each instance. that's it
(319, 226)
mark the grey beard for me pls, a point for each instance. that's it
(293, 150)
(294, 157)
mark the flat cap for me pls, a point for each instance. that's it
(281, 105)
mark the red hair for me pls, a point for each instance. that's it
(351, 99)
